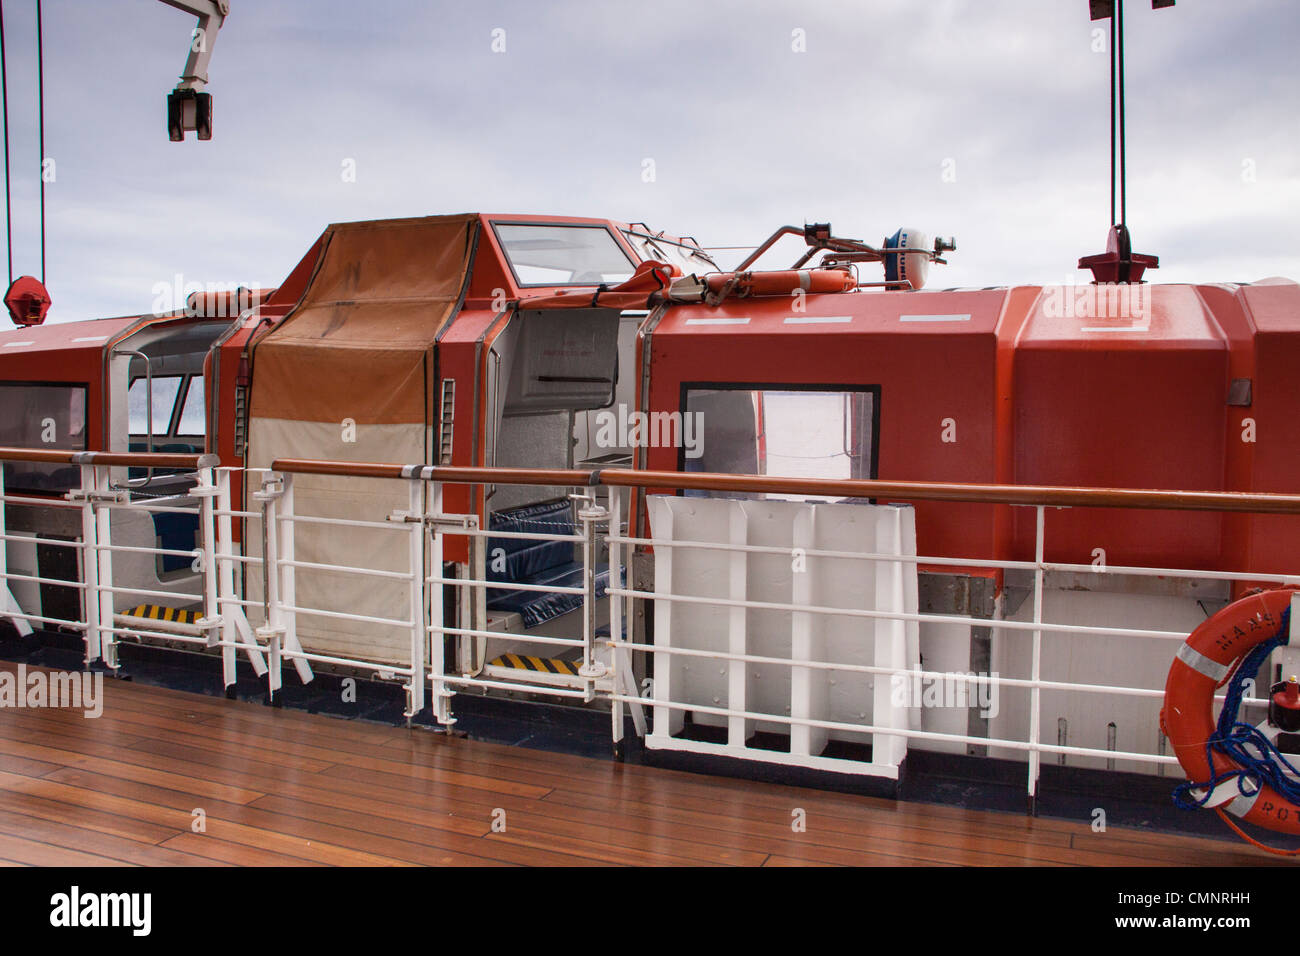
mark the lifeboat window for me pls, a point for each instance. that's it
(192, 422)
(165, 390)
(42, 416)
(687, 257)
(783, 432)
(544, 254)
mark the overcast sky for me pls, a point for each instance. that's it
(755, 114)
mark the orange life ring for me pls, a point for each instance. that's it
(1203, 663)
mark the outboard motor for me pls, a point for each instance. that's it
(913, 267)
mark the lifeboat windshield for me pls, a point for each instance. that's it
(548, 254)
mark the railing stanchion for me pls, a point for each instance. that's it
(591, 514)
(272, 629)
(234, 622)
(621, 660)
(437, 615)
(226, 581)
(206, 491)
(289, 591)
(1035, 693)
(103, 557)
(419, 625)
(89, 563)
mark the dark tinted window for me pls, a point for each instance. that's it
(42, 417)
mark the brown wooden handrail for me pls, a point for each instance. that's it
(1032, 495)
(1048, 495)
(52, 456)
(461, 476)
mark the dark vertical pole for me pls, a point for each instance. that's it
(1119, 50)
(1114, 66)
(4, 94)
(40, 86)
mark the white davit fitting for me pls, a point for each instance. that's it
(727, 700)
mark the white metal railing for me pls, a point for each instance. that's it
(105, 595)
(248, 598)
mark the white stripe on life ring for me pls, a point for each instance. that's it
(1202, 664)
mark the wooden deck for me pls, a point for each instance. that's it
(286, 787)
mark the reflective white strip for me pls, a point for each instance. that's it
(1242, 805)
(805, 279)
(817, 319)
(1116, 328)
(1228, 795)
(1202, 664)
(744, 321)
(17, 345)
(934, 318)
(91, 338)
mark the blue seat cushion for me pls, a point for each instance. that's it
(537, 607)
(522, 559)
(176, 532)
(551, 517)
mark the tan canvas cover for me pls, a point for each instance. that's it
(348, 376)
(355, 345)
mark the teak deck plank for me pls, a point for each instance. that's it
(280, 787)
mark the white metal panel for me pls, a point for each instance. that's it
(1114, 661)
(771, 578)
(789, 575)
(22, 560)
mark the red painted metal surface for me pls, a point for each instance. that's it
(1050, 386)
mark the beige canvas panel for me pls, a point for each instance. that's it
(365, 499)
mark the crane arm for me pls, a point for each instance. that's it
(211, 14)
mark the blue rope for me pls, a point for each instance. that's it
(1258, 760)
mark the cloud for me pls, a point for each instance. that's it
(746, 133)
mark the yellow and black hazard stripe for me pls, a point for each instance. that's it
(154, 612)
(547, 665)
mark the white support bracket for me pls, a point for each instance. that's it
(438, 522)
(9, 605)
(235, 628)
(272, 638)
(114, 496)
